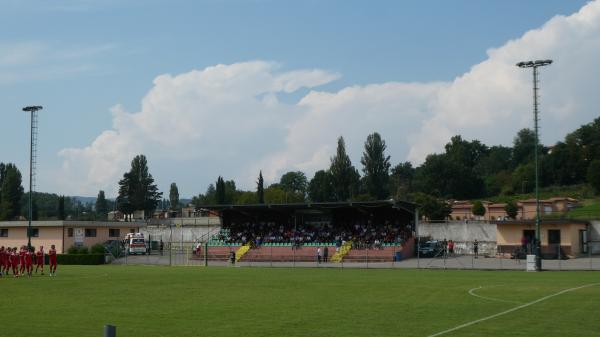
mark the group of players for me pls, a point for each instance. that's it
(21, 262)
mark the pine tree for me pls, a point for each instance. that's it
(137, 190)
(101, 205)
(344, 176)
(11, 193)
(220, 191)
(260, 188)
(376, 167)
(174, 197)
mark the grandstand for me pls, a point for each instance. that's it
(352, 231)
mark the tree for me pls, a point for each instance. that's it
(246, 198)
(260, 188)
(320, 188)
(432, 208)
(61, 215)
(11, 193)
(294, 182)
(220, 191)
(344, 176)
(376, 167)
(101, 205)
(524, 147)
(478, 208)
(137, 190)
(511, 209)
(593, 175)
(401, 180)
(174, 197)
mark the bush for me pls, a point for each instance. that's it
(80, 259)
(97, 249)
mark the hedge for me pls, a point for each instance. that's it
(80, 259)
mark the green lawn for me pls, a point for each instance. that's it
(589, 210)
(199, 301)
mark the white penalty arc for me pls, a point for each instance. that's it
(512, 309)
(472, 293)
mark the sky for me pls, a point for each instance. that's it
(231, 88)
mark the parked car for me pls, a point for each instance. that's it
(430, 248)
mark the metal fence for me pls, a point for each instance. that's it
(470, 245)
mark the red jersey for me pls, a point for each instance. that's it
(28, 258)
(39, 257)
(2, 257)
(22, 256)
(14, 259)
(52, 255)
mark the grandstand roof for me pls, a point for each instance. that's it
(399, 205)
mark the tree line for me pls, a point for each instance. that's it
(465, 170)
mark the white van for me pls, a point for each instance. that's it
(135, 243)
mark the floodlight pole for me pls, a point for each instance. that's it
(33, 130)
(538, 242)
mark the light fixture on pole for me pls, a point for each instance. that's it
(32, 163)
(538, 245)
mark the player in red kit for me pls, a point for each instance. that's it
(7, 264)
(22, 259)
(29, 261)
(52, 258)
(39, 257)
(2, 258)
(14, 259)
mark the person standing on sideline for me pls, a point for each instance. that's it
(325, 254)
(319, 255)
(161, 246)
(39, 256)
(476, 248)
(52, 258)
(451, 248)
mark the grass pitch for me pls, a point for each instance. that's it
(198, 301)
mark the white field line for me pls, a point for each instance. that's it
(472, 293)
(513, 309)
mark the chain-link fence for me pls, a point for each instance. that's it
(446, 245)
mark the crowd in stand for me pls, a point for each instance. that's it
(363, 234)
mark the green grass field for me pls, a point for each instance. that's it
(199, 301)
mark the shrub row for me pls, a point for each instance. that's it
(80, 259)
(96, 249)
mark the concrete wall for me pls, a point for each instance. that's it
(463, 234)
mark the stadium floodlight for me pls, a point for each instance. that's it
(538, 245)
(32, 161)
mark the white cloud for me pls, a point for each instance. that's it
(228, 120)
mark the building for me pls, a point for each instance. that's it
(64, 234)
(564, 237)
(463, 210)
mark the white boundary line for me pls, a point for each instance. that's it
(472, 293)
(512, 309)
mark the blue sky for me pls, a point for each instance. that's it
(81, 58)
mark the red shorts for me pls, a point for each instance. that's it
(53, 262)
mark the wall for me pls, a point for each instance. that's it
(463, 234)
(17, 236)
(102, 232)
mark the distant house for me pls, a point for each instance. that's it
(463, 210)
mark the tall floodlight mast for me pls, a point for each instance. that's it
(535, 65)
(32, 162)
